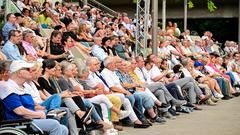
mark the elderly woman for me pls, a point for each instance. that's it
(68, 82)
(96, 96)
(48, 87)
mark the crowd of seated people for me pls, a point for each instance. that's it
(58, 57)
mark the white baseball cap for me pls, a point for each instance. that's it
(19, 64)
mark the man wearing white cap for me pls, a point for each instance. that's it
(19, 105)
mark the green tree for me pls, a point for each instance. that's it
(210, 4)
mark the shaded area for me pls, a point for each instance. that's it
(222, 29)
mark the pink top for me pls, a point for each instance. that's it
(218, 71)
(214, 68)
(29, 49)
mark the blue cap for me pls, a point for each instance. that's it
(197, 64)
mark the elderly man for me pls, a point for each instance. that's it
(10, 48)
(97, 81)
(116, 86)
(18, 104)
(10, 25)
(187, 83)
(27, 45)
(155, 87)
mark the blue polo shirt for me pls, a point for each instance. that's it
(6, 28)
(11, 51)
(13, 97)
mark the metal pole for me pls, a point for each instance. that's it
(163, 15)
(146, 19)
(154, 26)
(185, 14)
(238, 26)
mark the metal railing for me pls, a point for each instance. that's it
(99, 5)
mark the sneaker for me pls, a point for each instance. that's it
(210, 102)
(111, 131)
(158, 120)
(173, 112)
(56, 113)
(176, 102)
(168, 115)
(217, 95)
(164, 107)
(124, 114)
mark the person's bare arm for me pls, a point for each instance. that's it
(120, 90)
(29, 114)
(159, 77)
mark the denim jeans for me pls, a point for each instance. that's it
(147, 101)
(53, 102)
(51, 126)
(222, 85)
(95, 115)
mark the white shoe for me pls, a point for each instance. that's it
(219, 95)
(123, 114)
(111, 131)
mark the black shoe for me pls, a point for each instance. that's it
(82, 132)
(182, 110)
(173, 112)
(145, 121)
(126, 123)
(164, 107)
(158, 119)
(236, 94)
(93, 126)
(86, 116)
(226, 97)
(141, 125)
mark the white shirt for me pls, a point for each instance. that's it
(209, 70)
(10, 87)
(111, 78)
(164, 51)
(154, 71)
(186, 72)
(93, 80)
(148, 76)
(29, 87)
(140, 74)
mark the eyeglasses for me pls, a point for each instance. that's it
(27, 69)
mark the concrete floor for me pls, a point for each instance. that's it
(223, 119)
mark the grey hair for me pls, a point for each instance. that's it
(82, 70)
(13, 33)
(81, 66)
(107, 61)
(65, 65)
(24, 34)
(185, 62)
(90, 60)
